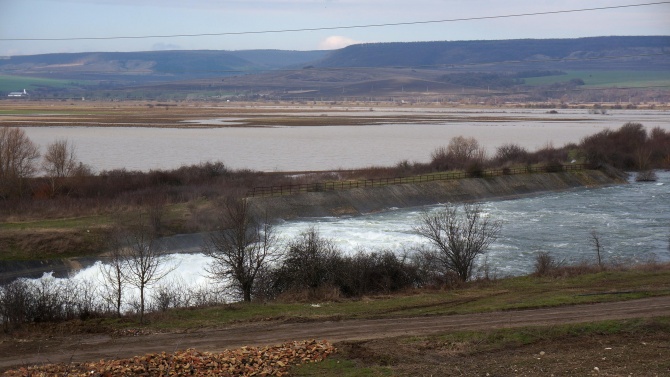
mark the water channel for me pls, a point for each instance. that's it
(632, 220)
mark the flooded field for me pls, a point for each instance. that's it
(288, 139)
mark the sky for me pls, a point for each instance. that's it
(239, 23)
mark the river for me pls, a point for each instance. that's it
(632, 220)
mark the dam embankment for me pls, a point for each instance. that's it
(358, 201)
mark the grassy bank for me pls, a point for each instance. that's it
(615, 346)
(525, 292)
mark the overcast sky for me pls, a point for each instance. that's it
(131, 18)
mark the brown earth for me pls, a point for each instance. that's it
(58, 348)
(621, 354)
(146, 114)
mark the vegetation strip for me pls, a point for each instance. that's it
(245, 361)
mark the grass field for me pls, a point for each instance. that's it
(608, 78)
(18, 83)
(523, 292)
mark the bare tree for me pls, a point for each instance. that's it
(597, 246)
(144, 262)
(114, 278)
(464, 149)
(60, 162)
(458, 154)
(242, 248)
(458, 239)
(18, 155)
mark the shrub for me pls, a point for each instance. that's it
(511, 153)
(553, 167)
(310, 262)
(15, 301)
(475, 169)
(646, 176)
(376, 272)
(313, 268)
(544, 264)
(46, 300)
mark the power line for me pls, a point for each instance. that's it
(340, 27)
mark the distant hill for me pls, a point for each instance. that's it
(521, 69)
(468, 55)
(579, 53)
(279, 58)
(159, 65)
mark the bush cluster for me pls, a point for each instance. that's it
(46, 301)
(630, 147)
(313, 267)
(50, 300)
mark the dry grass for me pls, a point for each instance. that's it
(557, 270)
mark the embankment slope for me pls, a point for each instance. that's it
(368, 200)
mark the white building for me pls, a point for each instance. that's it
(18, 94)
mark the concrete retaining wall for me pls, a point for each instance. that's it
(369, 200)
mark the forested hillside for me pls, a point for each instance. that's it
(578, 53)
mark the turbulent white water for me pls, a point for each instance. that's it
(633, 222)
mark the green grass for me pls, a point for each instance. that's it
(608, 78)
(18, 83)
(505, 294)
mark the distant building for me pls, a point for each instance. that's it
(18, 94)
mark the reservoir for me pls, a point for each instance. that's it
(309, 148)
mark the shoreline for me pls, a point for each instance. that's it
(354, 202)
(360, 201)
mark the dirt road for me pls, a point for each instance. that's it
(17, 352)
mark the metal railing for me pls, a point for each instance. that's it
(380, 182)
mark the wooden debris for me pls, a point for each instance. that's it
(245, 361)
